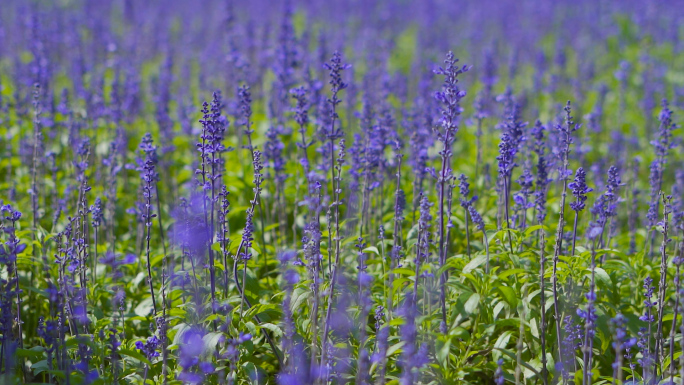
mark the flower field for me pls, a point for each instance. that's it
(353, 192)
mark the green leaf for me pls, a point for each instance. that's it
(602, 276)
(39, 367)
(180, 330)
(475, 263)
(472, 303)
(506, 273)
(502, 341)
(144, 308)
(403, 271)
(395, 348)
(277, 331)
(136, 355)
(443, 353)
(511, 355)
(371, 249)
(210, 341)
(509, 296)
(32, 354)
(299, 295)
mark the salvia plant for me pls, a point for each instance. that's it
(306, 192)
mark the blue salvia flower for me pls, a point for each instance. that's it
(302, 106)
(364, 283)
(644, 348)
(85, 355)
(613, 184)
(357, 162)
(499, 374)
(378, 357)
(515, 128)
(542, 180)
(678, 201)
(665, 142)
(489, 71)
(648, 304)
(605, 207)
(449, 97)
(654, 179)
(571, 342)
(589, 316)
(464, 190)
(48, 331)
(149, 348)
(302, 120)
(289, 344)
(511, 139)
(9, 252)
(476, 218)
(245, 108)
(211, 149)
(424, 223)
(287, 57)
(191, 349)
(113, 343)
(412, 357)
(621, 342)
(96, 212)
(644, 341)
(232, 353)
(580, 190)
(522, 197)
(336, 67)
(634, 209)
(507, 151)
(273, 152)
(466, 202)
(148, 173)
(247, 234)
(564, 140)
(479, 223)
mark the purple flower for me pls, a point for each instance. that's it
(571, 342)
(499, 374)
(665, 142)
(579, 190)
(542, 171)
(149, 347)
(464, 191)
(476, 218)
(648, 304)
(96, 212)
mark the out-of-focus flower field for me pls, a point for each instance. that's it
(346, 192)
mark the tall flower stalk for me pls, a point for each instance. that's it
(37, 147)
(397, 249)
(243, 252)
(148, 174)
(565, 137)
(479, 224)
(579, 190)
(662, 144)
(466, 202)
(335, 67)
(589, 314)
(541, 184)
(449, 97)
(662, 287)
(210, 148)
(245, 105)
(645, 333)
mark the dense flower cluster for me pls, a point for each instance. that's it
(300, 192)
